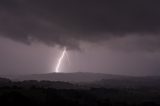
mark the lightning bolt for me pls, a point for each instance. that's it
(60, 60)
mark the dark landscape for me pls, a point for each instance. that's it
(107, 91)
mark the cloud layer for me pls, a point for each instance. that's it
(68, 22)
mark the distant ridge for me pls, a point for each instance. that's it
(67, 77)
(84, 77)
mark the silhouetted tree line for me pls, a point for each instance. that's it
(48, 93)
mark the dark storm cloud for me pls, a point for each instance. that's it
(67, 22)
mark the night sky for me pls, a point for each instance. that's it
(102, 36)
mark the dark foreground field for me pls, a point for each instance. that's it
(49, 93)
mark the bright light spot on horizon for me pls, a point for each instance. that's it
(60, 60)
